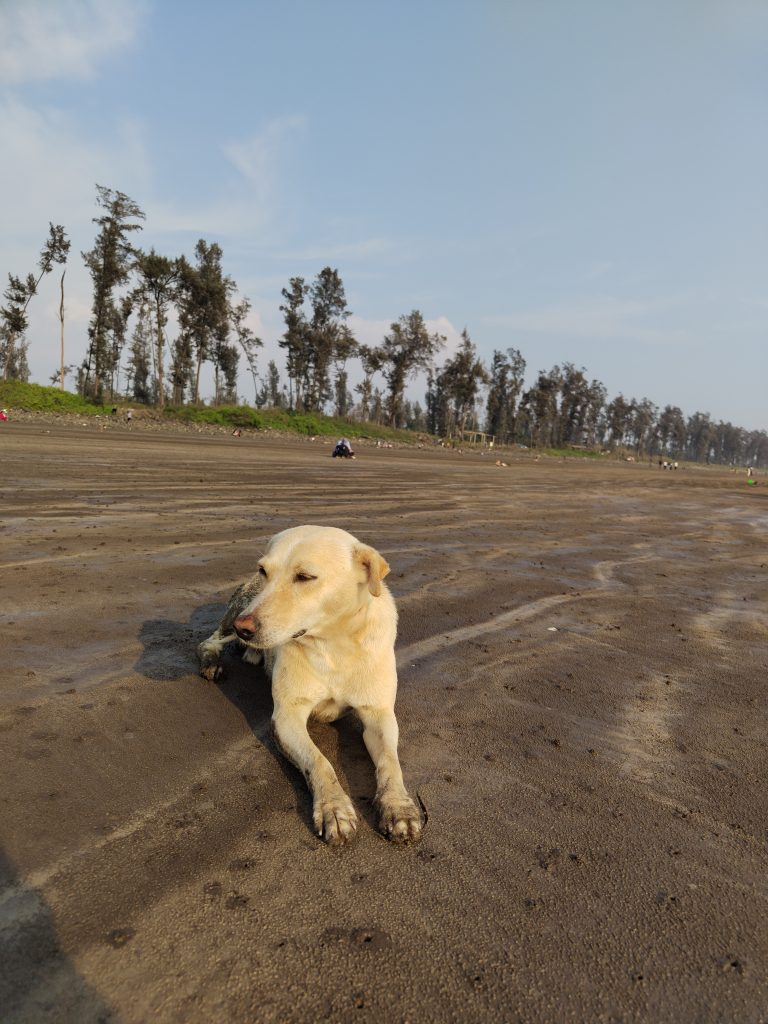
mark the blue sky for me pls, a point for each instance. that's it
(583, 181)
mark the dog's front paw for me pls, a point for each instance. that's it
(211, 670)
(400, 820)
(334, 817)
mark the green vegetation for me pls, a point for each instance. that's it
(15, 394)
(36, 398)
(306, 423)
(573, 453)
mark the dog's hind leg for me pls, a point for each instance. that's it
(209, 651)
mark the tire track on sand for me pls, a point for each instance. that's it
(439, 642)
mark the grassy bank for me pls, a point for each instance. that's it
(36, 398)
(15, 394)
(573, 453)
(308, 424)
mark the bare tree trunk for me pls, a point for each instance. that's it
(61, 319)
(196, 396)
(9, 354)
(160, 381)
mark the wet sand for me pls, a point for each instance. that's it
(582, 707)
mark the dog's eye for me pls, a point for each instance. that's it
(262, 571)
(303, 577)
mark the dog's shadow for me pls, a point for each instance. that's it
(169, 653)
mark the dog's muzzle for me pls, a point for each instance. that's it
(245, 628)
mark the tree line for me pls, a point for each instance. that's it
(129, 352)
(137, 294)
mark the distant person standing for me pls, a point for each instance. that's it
(129, 416)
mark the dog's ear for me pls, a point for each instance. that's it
(373, 565)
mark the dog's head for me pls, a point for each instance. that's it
(310, 580)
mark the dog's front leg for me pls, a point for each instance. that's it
(332, 811)
(399, 817)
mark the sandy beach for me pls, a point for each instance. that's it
(582, 705)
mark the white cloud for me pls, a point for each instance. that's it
(599, 320)
(218, 218)
(369, 332)
(54, 167)
(254, 200)
(339, 251)
(443, 326)
(48, 39)
(257, 157)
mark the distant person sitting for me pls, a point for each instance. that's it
(343, 449)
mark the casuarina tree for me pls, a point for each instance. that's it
(462, 376)
(506, 382)
(295, 340)
(156, 285)
(110, 263)
(371, 359)
(246, 339)
(408, 348)
(328, 336)
(18, 295)
(204, 309)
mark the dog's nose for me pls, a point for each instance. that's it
(244, 627)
